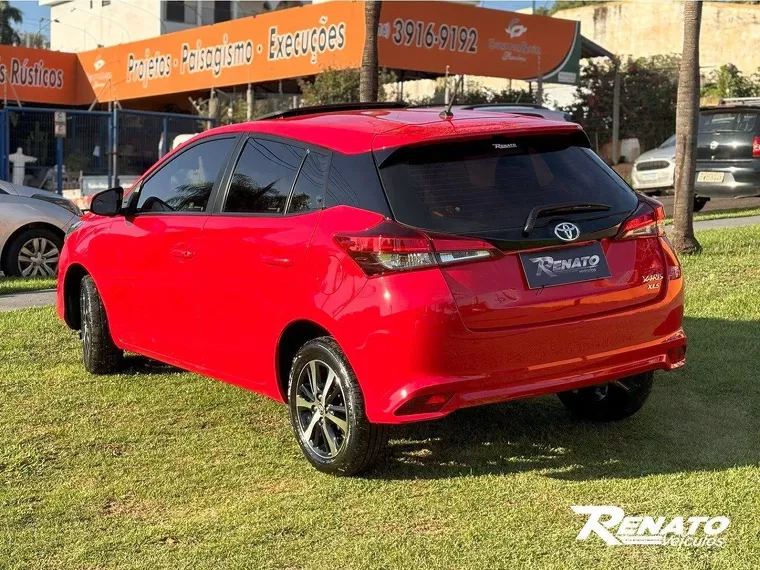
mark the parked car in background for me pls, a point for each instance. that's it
(728, 152)
(33, 224)
(383, 265)
(653, 171)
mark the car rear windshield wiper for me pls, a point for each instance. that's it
(552, 209)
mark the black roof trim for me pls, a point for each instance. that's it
(477, 106)
(316, 109)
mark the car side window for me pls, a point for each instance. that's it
(308, 193)
(184, 184)
(263, 177)
(353, 181)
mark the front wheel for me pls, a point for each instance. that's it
(609, 402)
(327, 411)
(99, 352)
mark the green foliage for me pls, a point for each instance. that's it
(648, 89)
(9, 15)
(475, 93)
(568, 4)
(728, 81)
(338, 86)
(34, 40)
(37, 144)
(76, 161)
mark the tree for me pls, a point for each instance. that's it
(34, 40)
(339, 86)
(648, 87)
(9, 15)
(569, 4)
(687, 114)
(728, 81)
(369, 69)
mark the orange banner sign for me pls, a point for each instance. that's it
(277, 45)
(37, 75)
(417, 36)
(427, 36)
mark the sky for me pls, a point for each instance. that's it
(33, 11)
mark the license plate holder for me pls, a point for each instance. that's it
(566, 265)
(707, 176)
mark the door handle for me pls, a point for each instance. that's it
(280, 261)
(182, 253)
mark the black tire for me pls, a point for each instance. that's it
(346, 453)
(699, 203)
(610, 402)
(99, 353)
(12, 265)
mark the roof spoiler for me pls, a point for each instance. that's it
(316, 109)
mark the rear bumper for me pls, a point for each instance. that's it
(413, 352)
(738, 181)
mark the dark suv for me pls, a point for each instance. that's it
(728, 153)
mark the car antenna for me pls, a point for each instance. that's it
(446, 113)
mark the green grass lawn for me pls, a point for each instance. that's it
(10, 285)
(721, 214)
(157, 468)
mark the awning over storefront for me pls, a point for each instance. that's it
(418, 38)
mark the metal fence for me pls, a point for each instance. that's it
(100, 149)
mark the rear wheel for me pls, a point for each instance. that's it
(100, 354)
(33, 253)
(327, 411)
(609, 402)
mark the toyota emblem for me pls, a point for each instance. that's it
(567, 231)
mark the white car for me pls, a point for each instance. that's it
(654, 170)
(33, 224)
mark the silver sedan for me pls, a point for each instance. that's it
(33, 224)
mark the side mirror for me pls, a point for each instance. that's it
(107, 202)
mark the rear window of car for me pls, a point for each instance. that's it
(728, 121)
(490, 185)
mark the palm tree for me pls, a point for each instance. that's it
(8, 16)
(369, 71)
(687, 115)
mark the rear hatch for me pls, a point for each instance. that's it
(549, 206)
(726, 134)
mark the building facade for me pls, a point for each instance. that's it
(80, 25)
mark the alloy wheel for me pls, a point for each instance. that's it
(38, 258)
(321, 409)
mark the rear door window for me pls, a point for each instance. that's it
(309, 191)
(263, 177)
(492, 185)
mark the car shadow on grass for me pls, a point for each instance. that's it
(135, 364)
(703, 417)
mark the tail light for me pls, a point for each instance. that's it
(647, 221)
(756, 147)
(390, 247)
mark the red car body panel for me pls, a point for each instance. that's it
(213, 293)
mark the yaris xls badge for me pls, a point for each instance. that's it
(378, 265)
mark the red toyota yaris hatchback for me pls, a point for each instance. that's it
(373, 266)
